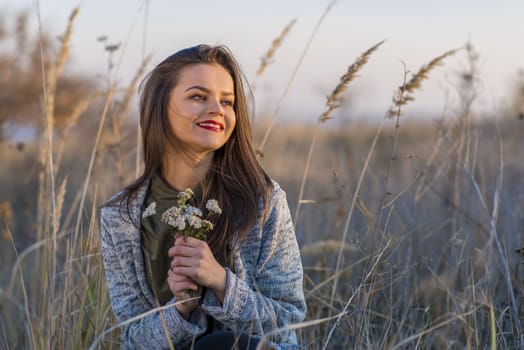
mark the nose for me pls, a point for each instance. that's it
(215, 106)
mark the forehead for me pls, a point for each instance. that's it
(207, 75)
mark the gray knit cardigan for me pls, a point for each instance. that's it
(264, 294)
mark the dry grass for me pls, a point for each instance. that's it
(406, 90)
(333, 99)
(267, 58)
(274, 116)
(408, 236)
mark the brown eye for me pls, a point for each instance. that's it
(198, 97)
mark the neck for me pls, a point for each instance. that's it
(186, 171)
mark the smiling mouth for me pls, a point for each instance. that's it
(211, 125)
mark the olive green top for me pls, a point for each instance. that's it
(157, 236)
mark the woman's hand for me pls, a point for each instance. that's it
(179, 285)
(193, 259)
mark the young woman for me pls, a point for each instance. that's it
(196, 134)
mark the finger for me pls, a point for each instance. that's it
(188, 241)
(180, 279)
(182, 285)
(177, 278)
(170, 273)
(186, 261)
(184, 250)
(179, 249)
(179, 241)
(171, 252)
(189, 271)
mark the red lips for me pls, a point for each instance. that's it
(211, 125)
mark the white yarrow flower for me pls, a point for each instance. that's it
(188, 220)
(194, 221)
(180, 223)
(189, 210)
(207, 225)
(186, 194)
(150, 210)
(212, 206)
(171, 215)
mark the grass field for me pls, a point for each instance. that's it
(409, 227)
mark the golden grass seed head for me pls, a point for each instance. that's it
(405, 92)
(334, 98)
(277, 42)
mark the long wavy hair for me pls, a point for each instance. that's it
(235, 179)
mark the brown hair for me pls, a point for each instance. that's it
(236, 179)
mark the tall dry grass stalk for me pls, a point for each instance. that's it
(406, 90)
(108, 101)
(468, 91)
(274, 116)
(332, 103)
(277, 42)
(117, 117)
(349, 216)
(79, 109)
(60, 202)
(48, 206)
(405, 94)
(333, 99)
(56, 68)
(6, 219)
(371, 272)
(267, 59)
(401, 98)
(494, 237)
(337, 317)
(144, 57)
(112, 89)
(32, 336)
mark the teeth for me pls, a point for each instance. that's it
(210, 125)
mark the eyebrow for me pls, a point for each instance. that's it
(206, 90)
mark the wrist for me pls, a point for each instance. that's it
(183, 313)
(220, 286)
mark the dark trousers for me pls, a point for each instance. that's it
(225, 341)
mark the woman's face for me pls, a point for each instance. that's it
(200, 111)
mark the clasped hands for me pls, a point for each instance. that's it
(194, 264)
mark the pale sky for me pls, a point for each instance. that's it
(416, 32)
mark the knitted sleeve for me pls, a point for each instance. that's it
(270, 296)
(151, 331)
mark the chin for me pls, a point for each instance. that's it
(212, 146)
(209, 148)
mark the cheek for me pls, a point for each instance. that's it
(182, 121)
(180, 127)
(187, 111)
(232, 122)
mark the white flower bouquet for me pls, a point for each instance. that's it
(186, 219)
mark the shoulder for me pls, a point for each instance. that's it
(275, 188)
(124, 204)
(276, 209)
(277, 198)
(273, 191)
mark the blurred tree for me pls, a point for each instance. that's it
(21, 88)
